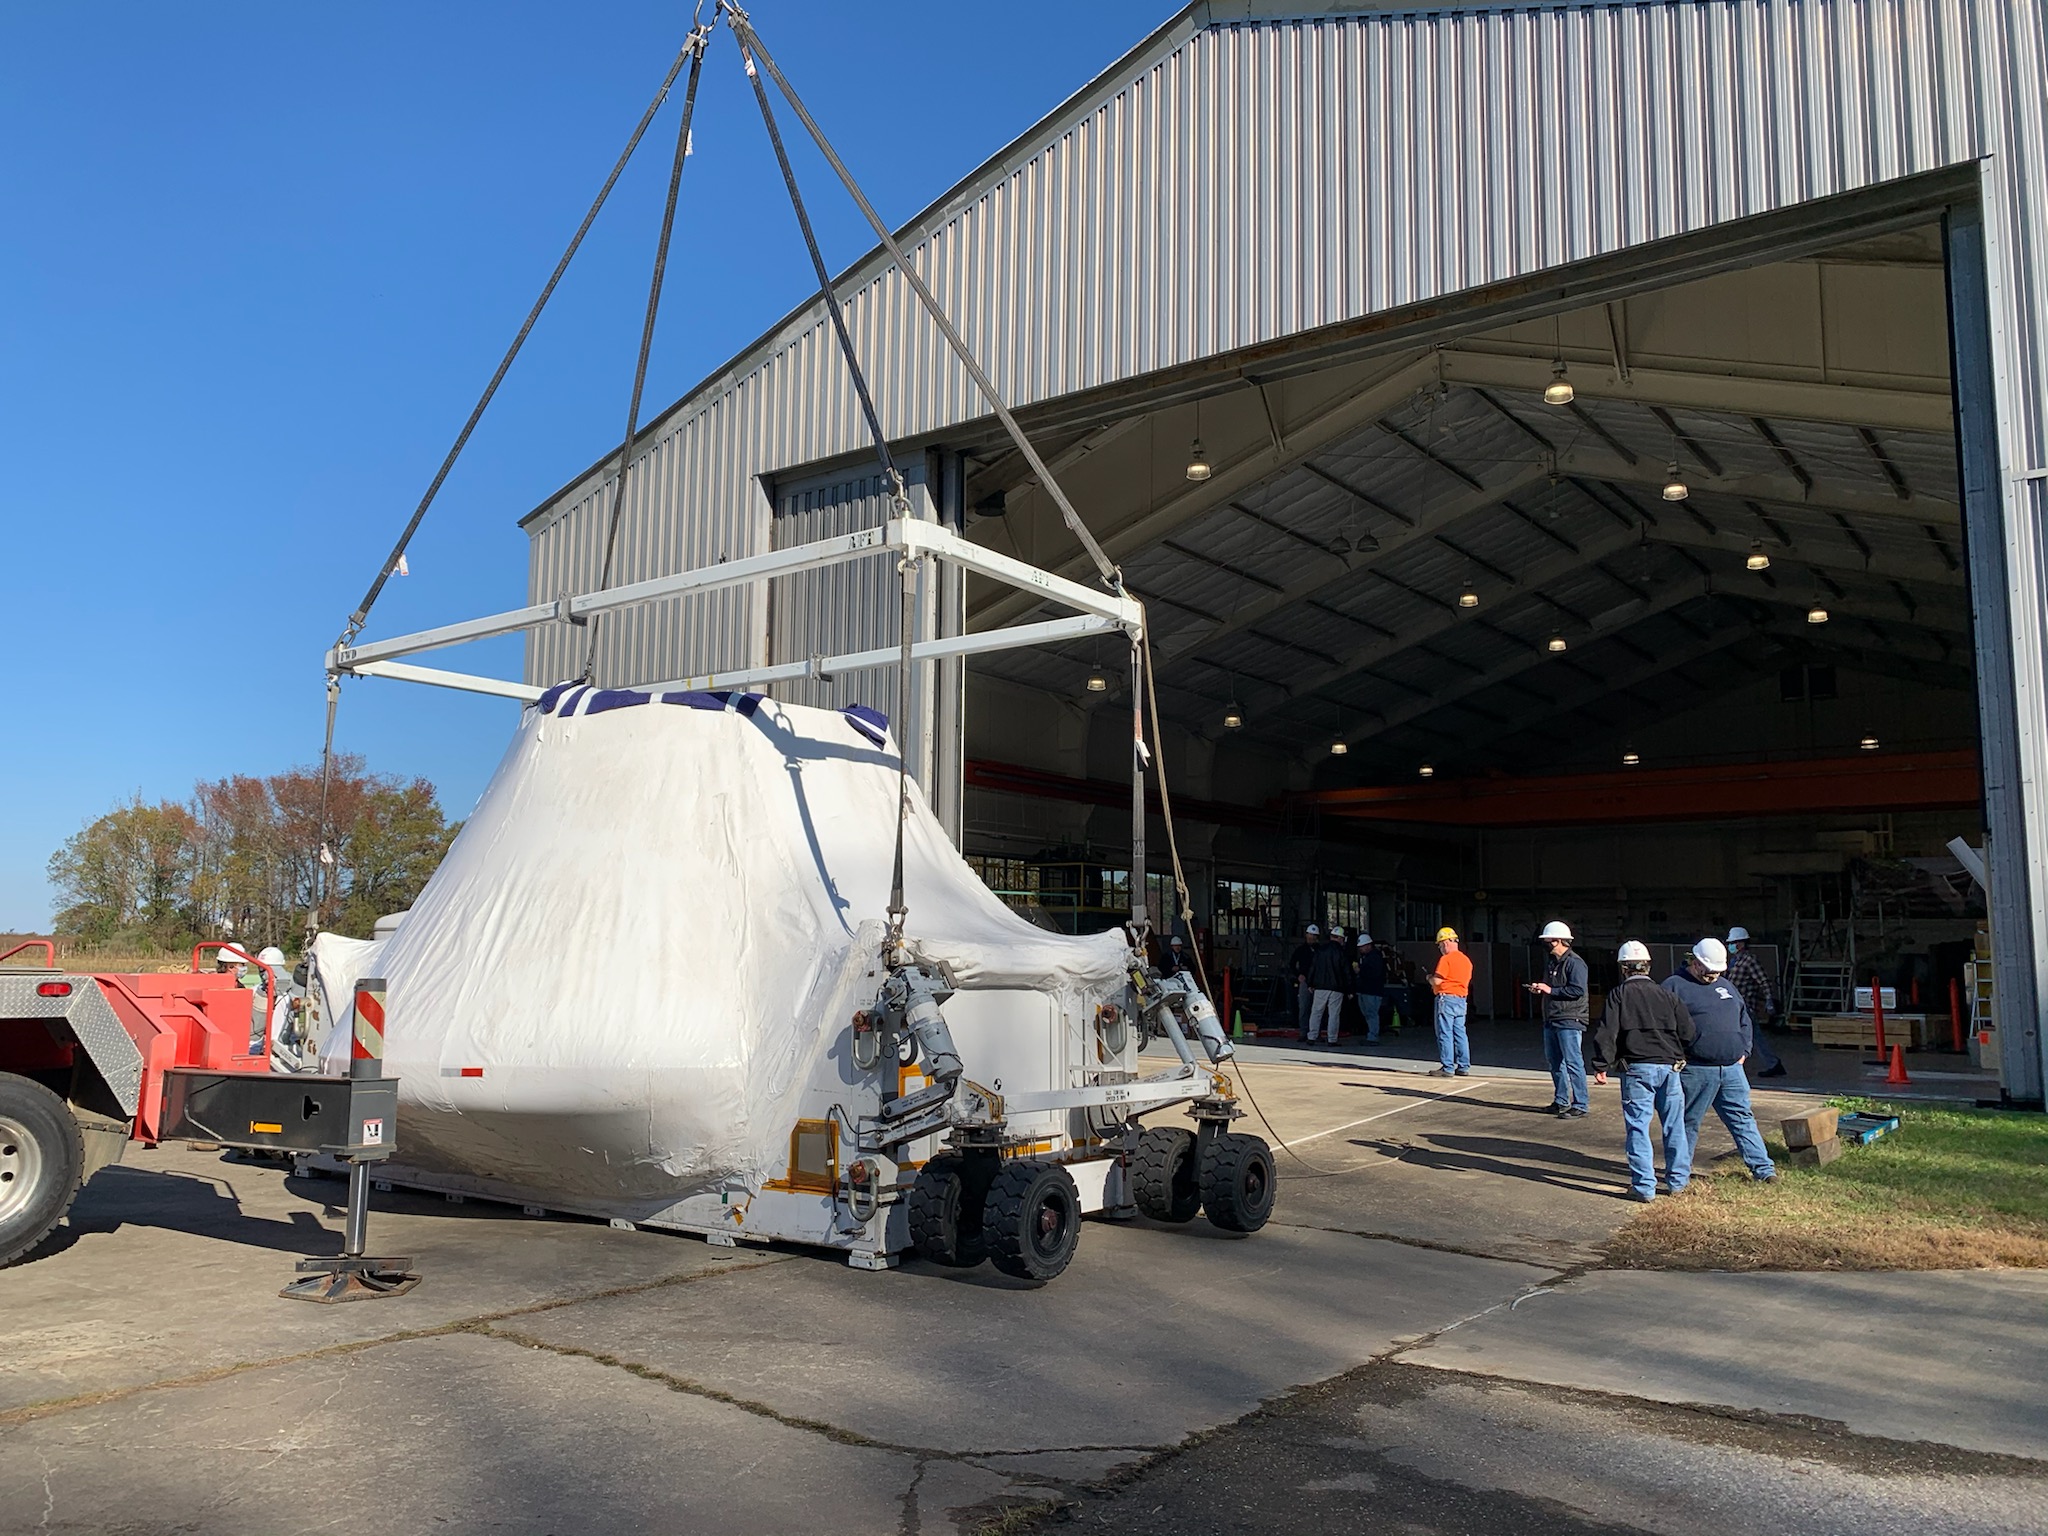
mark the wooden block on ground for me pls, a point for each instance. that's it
(1820, 1154)
(1811, 1128)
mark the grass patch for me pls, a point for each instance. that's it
(1950, 1189)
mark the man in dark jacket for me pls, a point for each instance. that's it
(1644, 1033)
(1723, 1034)
(1299, 964)
(1330, 976)
(1563, 992)
(1369, 971)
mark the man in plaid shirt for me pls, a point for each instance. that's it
(1747, 976)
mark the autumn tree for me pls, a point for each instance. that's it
(244, 858)
(129, 872)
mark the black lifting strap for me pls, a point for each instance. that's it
(699, 37)
(803, 219)
(357, 619)
(898, 907)
(751, 45)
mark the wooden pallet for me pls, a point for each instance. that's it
(1915, 1031)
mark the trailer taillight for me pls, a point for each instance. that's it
(53, 989)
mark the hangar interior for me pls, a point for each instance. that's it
(1634, 596)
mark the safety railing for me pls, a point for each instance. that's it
(47, 946)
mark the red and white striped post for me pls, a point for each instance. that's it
(366, 1052)
(366, 1059)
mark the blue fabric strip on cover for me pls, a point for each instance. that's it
(871, 723)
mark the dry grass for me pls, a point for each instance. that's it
(1950, 1189)
(75, 955)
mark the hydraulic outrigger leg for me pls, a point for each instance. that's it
(353, 1275)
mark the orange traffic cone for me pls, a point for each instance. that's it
(1897, 1075)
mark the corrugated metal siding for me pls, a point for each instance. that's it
(1248, 179)
(853, 606)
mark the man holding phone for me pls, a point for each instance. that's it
(1563, 993)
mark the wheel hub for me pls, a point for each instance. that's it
(21, 1167)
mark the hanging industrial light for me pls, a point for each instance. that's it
(1098, 682)
(1559, 390)
(1868, 743)
(1232, 719)
(1675, 488)
(1758, 560)
(1816, 614)
(1630, 758)
(1340, 545)
(1468, 598)
(1555, 645)
(1339, 747)
(1425, 771)
(1198, 461)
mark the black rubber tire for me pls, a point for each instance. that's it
(42, 1165)
(944, 1209)
(1166, 1182)
(1032, 1219)
(1237, 1181)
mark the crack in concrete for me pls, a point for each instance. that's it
(913, 1521)
(33, 1411)
(1430, 1245)
(836, 1433)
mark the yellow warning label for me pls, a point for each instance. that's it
(264, 1128)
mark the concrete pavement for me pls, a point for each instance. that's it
(559, 1375)
(1396, 1448)
(1955, 1358)
(562, 1375)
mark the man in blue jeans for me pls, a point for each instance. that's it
(1451, 981)
(1645, 1032)
(1563, 992)
(1723, 1035)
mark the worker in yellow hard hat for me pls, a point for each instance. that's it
(1451, 980)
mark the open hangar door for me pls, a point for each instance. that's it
(1639, 595)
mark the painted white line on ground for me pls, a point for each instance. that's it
(1435, 1098)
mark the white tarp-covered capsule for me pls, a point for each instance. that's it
(647, 943)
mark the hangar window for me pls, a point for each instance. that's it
(1245, 907)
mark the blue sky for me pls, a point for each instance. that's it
(257, 262)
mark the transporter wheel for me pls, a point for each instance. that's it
(42, 1164)
(1032, 1219)
(1237, 1181)
(944, 1210)
(1165, 1177)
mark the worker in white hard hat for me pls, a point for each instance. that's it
(1722, 1036)
(1330, 979)
(1747, 975)
(282, 1013)
(1176, 957)
(1563, 994)
(1299, 964)
(1369, 982)
(1451, 980)
(1644, 1035)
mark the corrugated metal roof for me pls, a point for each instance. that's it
(1251, 173)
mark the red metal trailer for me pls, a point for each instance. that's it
(90, 1063)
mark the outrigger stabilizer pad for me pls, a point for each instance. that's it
(351, 1279)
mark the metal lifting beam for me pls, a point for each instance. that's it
(909, 537)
